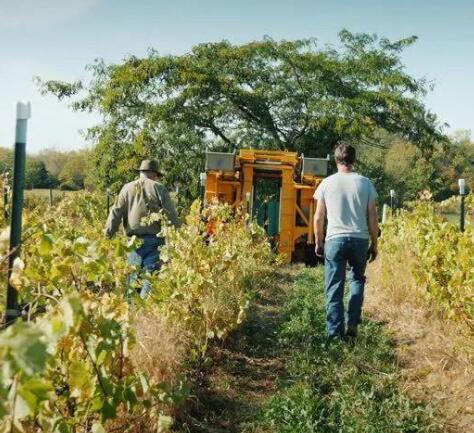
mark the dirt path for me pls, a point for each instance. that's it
(230, 393)
(279, 374)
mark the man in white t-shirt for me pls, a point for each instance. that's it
(347, 199)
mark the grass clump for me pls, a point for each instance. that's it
(339, 387)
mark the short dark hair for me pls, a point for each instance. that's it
(345, 154)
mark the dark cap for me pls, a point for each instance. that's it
(150, 165)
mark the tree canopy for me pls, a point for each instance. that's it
(287, 95)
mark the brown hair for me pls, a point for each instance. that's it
(345, 154)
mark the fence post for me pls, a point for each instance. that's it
(392, 199)
(51, 197)
(202, 187)
(462, 193)
(384, 213)
(23, 113)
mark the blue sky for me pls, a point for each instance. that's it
(55, 39)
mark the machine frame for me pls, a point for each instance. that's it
(295, 239)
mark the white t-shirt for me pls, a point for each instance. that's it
(347, 197)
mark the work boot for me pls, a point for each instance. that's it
(351, 331)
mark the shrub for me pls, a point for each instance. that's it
(443, 257)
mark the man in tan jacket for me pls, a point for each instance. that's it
(137, 200)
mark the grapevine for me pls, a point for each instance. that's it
(69, 365)
(444, 257)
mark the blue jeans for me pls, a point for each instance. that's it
(147, 257)
(339, 253)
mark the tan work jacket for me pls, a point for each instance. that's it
(136, 200)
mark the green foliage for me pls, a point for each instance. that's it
(68, 368)
(207, 279)
(6, 160)
(71, 368)
(54, 160)
(36, 175)
(443, 257)
(75, 169)
(371, 162)
(336, 387)
(51, 167)
(292, 95)
(401, 166)
(69, 186)
(70, 168)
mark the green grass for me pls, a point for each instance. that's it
(44, 193)
(338, 387)
(35, 197)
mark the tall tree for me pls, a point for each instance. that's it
(75, 168)
(54, 160)
(292, 95)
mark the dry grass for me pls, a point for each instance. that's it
(230, 392)
(436, 355)
(161, 352)
(161, 347)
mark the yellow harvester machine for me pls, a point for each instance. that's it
(277, 190)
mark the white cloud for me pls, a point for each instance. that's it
(15, 14)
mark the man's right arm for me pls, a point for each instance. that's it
(319, 218)
(116, 214)
(373, 228)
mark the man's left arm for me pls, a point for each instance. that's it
(373, 222)
(373, 229)
(168, 206)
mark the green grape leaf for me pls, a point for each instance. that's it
(97, 404)
(79, 377)
(39, 388)
(26, 347)
(63, 427)
(130, 396)
(46, 244)
(109, 411)
(25, 404)
(101, 357)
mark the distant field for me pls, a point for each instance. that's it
(454, 217)
(44, 193)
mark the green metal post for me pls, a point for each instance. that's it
(23, 113)
(202, 187)
(462, 193)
